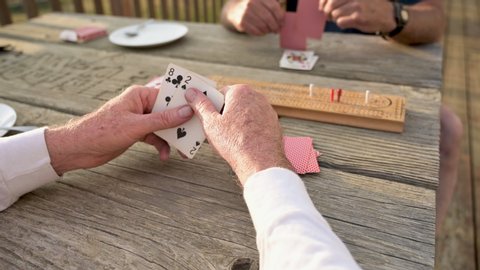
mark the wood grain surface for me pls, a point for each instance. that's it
(356, 57)
(376, 189)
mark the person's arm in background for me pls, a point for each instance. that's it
(291, 233)
(254, 17)
(32, 159)
(425, 24)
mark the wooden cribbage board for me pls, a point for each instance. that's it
(382, 112)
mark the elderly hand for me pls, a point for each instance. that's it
(99, 137)
(247, 135)
(255, 17)
(368, 16)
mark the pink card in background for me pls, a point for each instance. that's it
(291, 37)
(310, 20)
(90, 33)
(299, 151)
(83, 34)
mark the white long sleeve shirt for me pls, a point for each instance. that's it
(291, 233)
(24, 165)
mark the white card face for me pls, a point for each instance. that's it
(155, 82)
(300, 60)
(188, 137)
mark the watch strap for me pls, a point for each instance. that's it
(397, 12)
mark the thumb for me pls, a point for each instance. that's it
(155, 121)
(202, 106)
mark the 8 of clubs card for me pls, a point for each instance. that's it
(188, 137)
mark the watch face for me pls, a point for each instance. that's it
(404, 15)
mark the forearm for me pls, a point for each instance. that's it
(61, 142)
(426, 23)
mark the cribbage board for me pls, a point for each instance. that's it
(381, 112)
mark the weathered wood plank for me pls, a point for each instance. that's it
(455, 242)
(420, 66)
(151, 8)
(474, 124)
(98, 7)
(30, 8)
(176, 12)
(78, 6)
(164, 10)
(205, 10)
(472, 56)
(196, 9)
(116, 7)
(137, 8)
(5, 17)
(186, 8)
(56, 5)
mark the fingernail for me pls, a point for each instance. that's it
(185, 111)
(190, 94)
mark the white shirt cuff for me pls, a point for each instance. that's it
(24, 165)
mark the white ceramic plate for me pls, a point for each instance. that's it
(8, 116)
(152, 34)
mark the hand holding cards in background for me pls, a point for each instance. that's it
(254, 17)
(368, 16)
(247, 135)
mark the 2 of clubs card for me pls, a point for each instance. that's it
(188, 137)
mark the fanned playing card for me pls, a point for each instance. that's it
(303, 20)
(188, 137)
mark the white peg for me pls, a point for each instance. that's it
(367, 94)
(311, 89)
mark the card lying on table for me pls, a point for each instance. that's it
(301, 60)
(300, 153)
(188, 137)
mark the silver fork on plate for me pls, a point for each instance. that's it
(134, 32)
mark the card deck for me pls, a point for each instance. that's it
(188, 137)
(299, 151)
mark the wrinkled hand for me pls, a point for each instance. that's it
(247, 135)
(368, 16)
(256, 17)
(100, 136)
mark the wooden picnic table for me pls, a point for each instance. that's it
(376, 189)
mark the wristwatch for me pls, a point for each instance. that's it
(401, 18)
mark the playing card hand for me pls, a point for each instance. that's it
(100, 136)
(247, 134)
(254, 17)
(368, 16)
